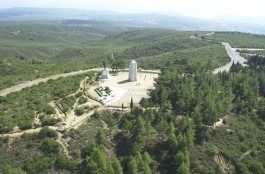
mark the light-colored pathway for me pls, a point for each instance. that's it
(29, 131)
(20, 86)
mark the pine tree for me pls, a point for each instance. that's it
(110, 170)
(163, 96)
(147, 158)
(190, 133)
(161, 126)
(138, 143)
(139, 127)
(140, 161)
(100, 158)
(116, 165)
(182, 141)
(178, 159)
(149, 115)
(132, 165)
(131, 104)
(146, 168)
(173, 141)
(92, 166)
(144, 102)
(183, 169)
(100, 138)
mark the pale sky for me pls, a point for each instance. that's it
(194, 8)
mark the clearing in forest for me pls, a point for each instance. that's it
(122, 91)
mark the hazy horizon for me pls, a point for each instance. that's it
(192, 8)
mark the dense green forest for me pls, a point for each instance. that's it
(175, 130)
(172, 131)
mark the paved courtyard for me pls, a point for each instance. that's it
(123, 90)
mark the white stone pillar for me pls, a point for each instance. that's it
(133, 71)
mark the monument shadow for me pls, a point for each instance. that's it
(123, 81)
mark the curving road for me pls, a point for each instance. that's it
(235, 57)
(20, 86)
(233, 54)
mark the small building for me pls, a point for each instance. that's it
(133, 71)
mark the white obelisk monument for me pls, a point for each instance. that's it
(133, 71)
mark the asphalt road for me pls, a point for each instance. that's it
(235, 57)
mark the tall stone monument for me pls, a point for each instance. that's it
(105, 71)
(133, 71)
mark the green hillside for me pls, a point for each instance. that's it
(33, 50)
(194, 121)
(43, 41)
(240, 40)
(171, 132)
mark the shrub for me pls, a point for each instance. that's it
(25, 124)
(3, 99)
(63, 162)
(37, 164)
(50, 146)
(79, 111)
(95, 116)
(212, 151)
(107, 90)
(49, 110)
(3, 140)
(8, 169)
(46, 132)
(82, 100)
(79, 94)
(87, 150)
(50, 121)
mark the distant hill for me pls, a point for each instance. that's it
(140, 20)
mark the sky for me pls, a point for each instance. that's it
(193, 8)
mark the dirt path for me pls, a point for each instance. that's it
(105, 126)
(219, 123)
(245, 154)
(71, 120)
(78, 121)
(29, 131)
(226, 167)
(58, 111)
(64, 148)
(19, 87)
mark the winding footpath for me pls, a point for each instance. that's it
(20, 86)
(29, 131)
